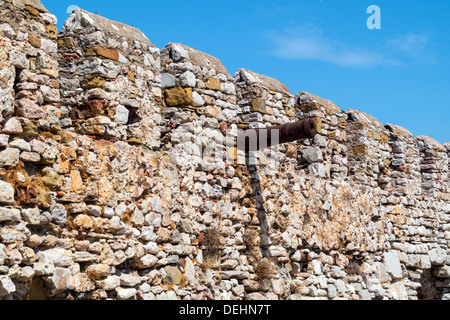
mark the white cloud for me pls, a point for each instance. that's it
(310, 44)
(414, 48)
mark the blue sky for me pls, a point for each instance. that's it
(399, 74)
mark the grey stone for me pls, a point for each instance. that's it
(179, 53)
(110, 283)
(59, 214)
(4, 140)
(130, 103)
(392, 263)
(57, 256)
(6, 193)
(49, 46)
(21, 145)
(167, 80)
(50, 94)
(128, 280)
(43, 268)
(188, 79)
(32, 216)
(122, 114)
(312, 154)
(9, 157)
(26, 274)
(399, 147)
(145, 262)
(9, 215)
(6, 286)
(19, 60)
(197, 100)
(60, 281)
(7, 30)
(318, 170)
(365, 295)
(81, 257)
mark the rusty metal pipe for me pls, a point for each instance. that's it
(258, 139)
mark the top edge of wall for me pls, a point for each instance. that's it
(80, 19)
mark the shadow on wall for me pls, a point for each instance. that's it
(255, 181)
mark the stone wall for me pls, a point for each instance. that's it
(120, 179)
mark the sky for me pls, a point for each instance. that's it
(399, 74)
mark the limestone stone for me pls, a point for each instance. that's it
(178, 52)
(57, 256)
(167, 80)
(60, 281)
(125, 293)
(312, 154)
(197, 100)
(59, 214)
(393, 265)
(32, 216)
(188, 79)
(6, 286)
(6, 193)
(9, 215)
(9, 157)
(19, 60)
(13, 126)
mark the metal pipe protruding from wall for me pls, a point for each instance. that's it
(262, 138)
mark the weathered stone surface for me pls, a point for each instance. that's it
(213, 84)
(125, 294)
(28, 109)
(32, 216)
(9, 215)
(12, 126)
(9, 157)
(179, 96)
(81, 19)
(57, 256)
(312, 154)
(393, 266)
(253, 79)
(167, 80)
(60, 281)
(6, 286)
(6, 193)
(59, 214)
(173, 276)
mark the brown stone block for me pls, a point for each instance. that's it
(52, 31)
(109, 54)
(179, 96)
(259, 105)
(94, 82)
(362, 149)
(34, 41)
(26, 195)
(100, 51)
(213, 84)
(32, 11)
